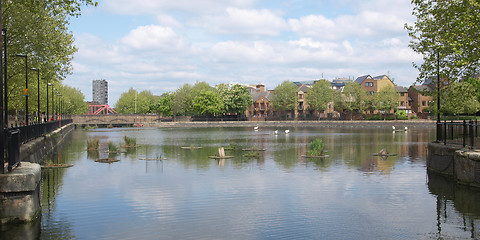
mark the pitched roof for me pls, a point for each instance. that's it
(400, 89)
(379, 77)
(308, 83)
(257, 95)
(304, 88)
(422, 88)
(360, 79)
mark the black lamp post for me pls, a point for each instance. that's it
(59, 106)
(25, 91)
(53, 104)
(48, 84)
(438, 97)
(4, 31)
(38, 94)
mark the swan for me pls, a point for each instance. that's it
(287, 131)
(276, 132)
(255, 128)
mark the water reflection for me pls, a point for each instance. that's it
(279, 194)
(457, 208)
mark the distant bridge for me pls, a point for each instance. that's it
(118, 120)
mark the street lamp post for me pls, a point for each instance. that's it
(438, 97)
(53, 104)
(25, 91)
(48, 84)
(5, 83)
(38, 94)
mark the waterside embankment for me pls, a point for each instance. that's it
(300, 124)
(20, 189)
(458, 163)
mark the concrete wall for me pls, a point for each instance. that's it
(440, 158)
(20, 195)
(460, 164)
(467, 168)
(34, 151)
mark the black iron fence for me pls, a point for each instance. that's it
(20, 135)
(464, 133)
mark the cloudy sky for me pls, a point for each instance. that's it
(159, 45)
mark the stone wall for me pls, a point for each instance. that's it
(460, 164)
(34, 151)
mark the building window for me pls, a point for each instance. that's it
(402, 94)
(371, 92)
(300, 96)
(423, 103)
(369, 84)
(402, 103)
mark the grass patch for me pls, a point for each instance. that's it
(252, 154)
(112, 147)
(93, 144)
(316, 148)
(130, 142)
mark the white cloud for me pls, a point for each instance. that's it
(140, 7)
(245, 22)
(247, 42)
(153, 38)
(365, 25)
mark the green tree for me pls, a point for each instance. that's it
(353, 98)
(73, 100)
(207, 102)
(320, 95)
(134, 102)
(385, 100)
(458, 98)
(38, 29)
(165, 104)
(126, 103)
(450, 29)
(236, 99)
(183, 99)
(285, 97)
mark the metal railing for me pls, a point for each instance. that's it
(20, 135)
(461, 133)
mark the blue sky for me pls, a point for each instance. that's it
(159, 45)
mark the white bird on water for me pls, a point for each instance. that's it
(287, 131)
(255, 128)
(276, 132)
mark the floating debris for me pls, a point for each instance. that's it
(107, 160)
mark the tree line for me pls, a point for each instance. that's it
(199, 99)
(38, 30)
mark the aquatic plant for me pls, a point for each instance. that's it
(252, 154)
(130, 142)
(92, 144)
(112, 147)
(316, 148)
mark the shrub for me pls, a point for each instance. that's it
(401, 115)
(316, 148)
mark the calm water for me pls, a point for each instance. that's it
(279, 195)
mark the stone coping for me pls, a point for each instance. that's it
(24, 178)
